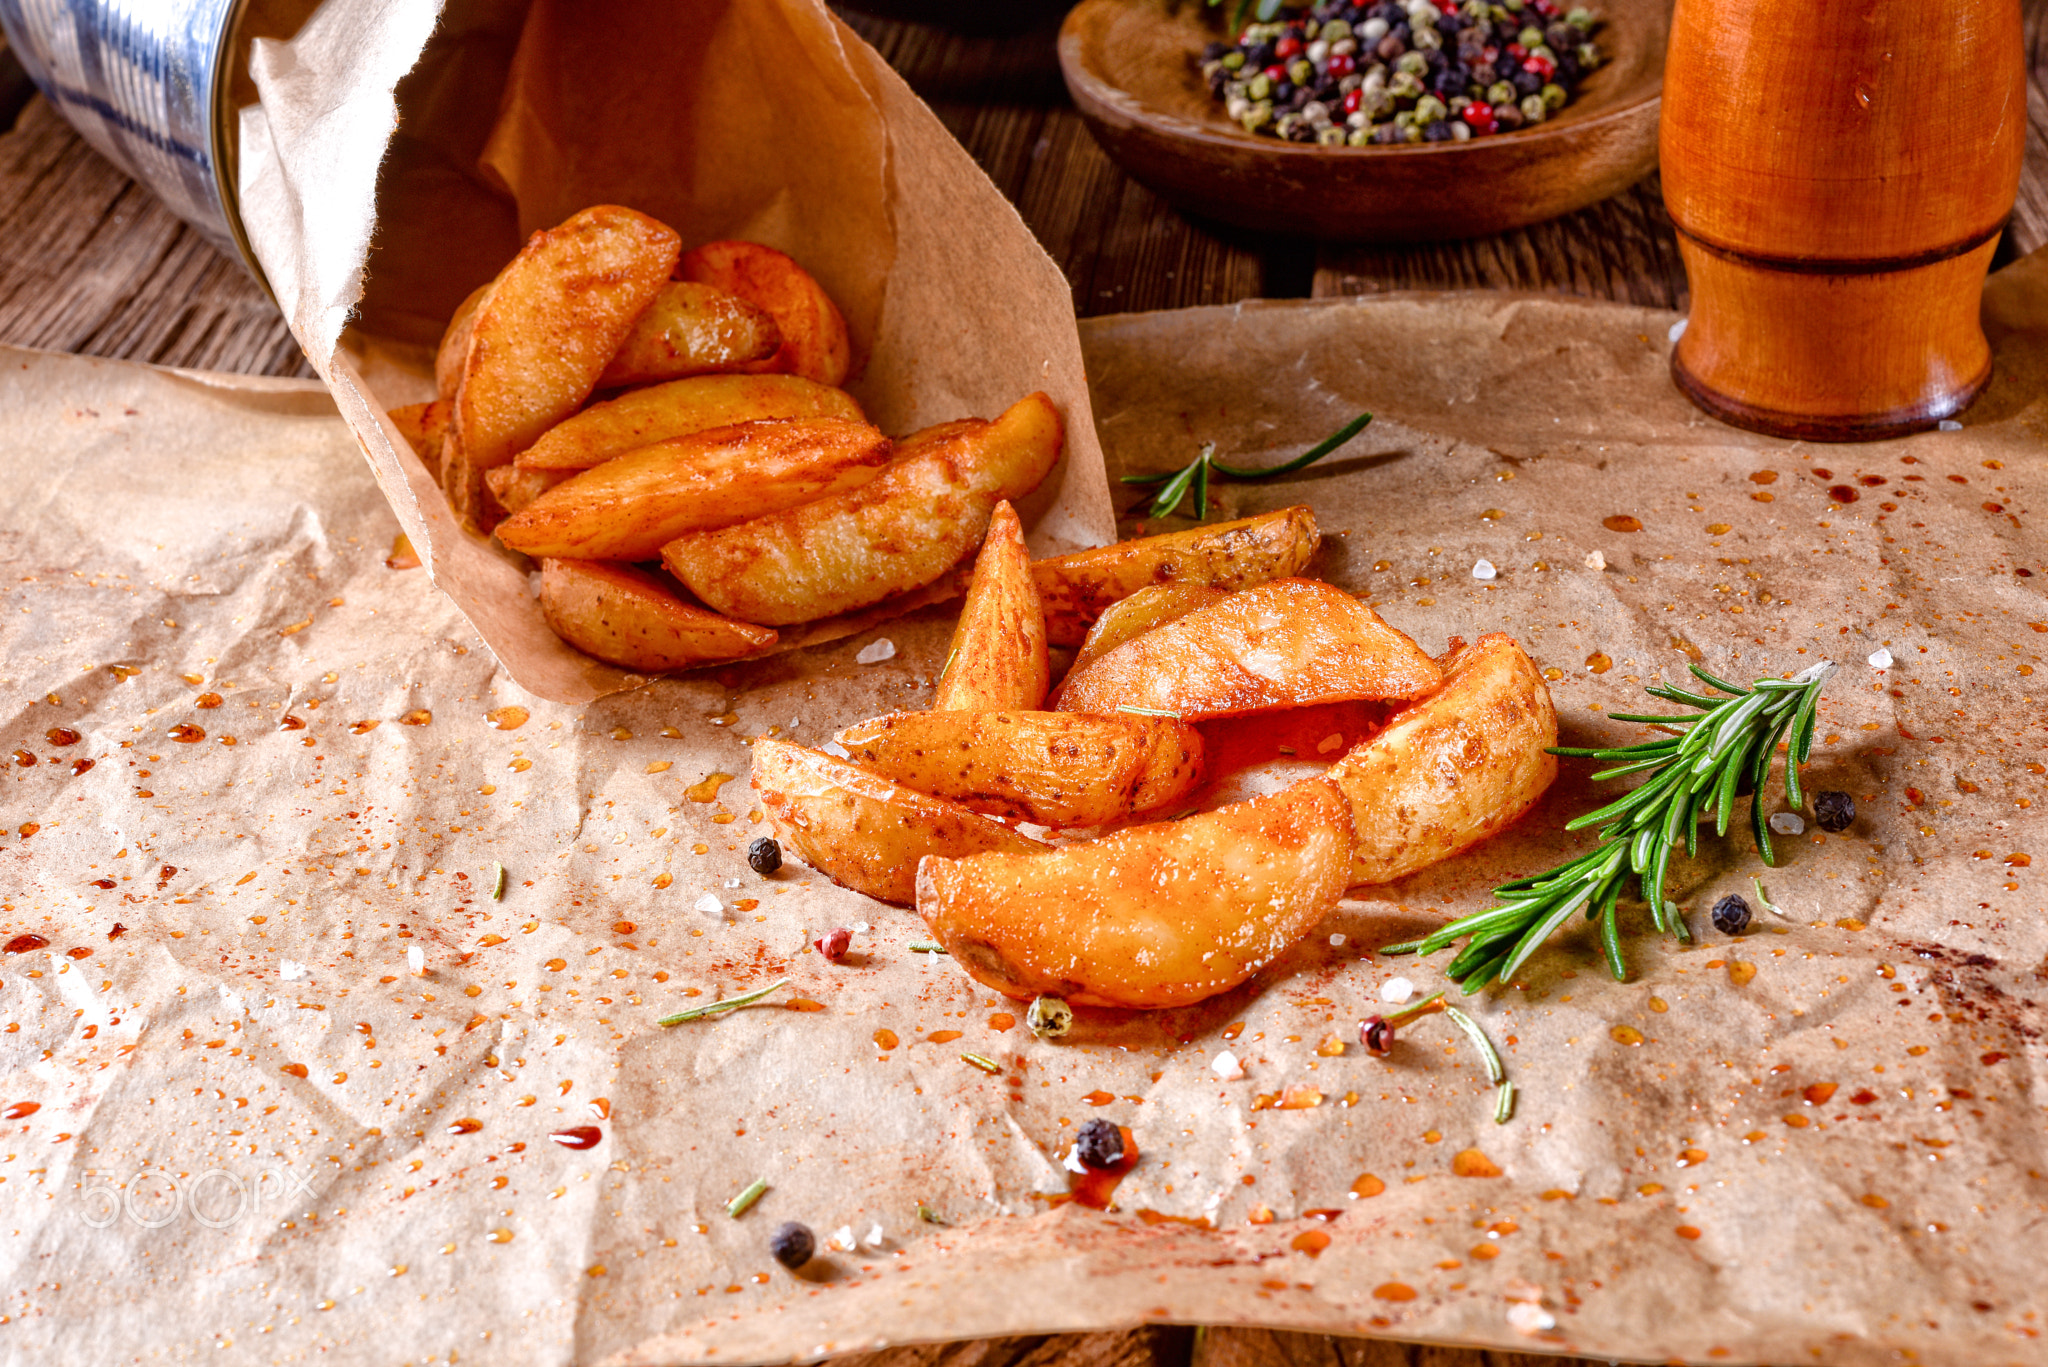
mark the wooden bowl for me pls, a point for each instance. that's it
(1133, 69)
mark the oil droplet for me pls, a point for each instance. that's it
(723, 818)
(466, 1125)
(1626, 1034)
(601, 1107)
(290, 723)
(1553, 673)
(578, 1137)
(1621, 522)
(700, 848)
(1874, 1201)
(293, 1069)
(1797, 1122)
(1233, 1030)
(1492, 515)
(21, 1110)
(1650, 1189)
(1763, 477)
(500, 1235)
(707, 791)
(208, 700)
(1001, 1021)
(806, 1004)
(660, 766)
(1098, 1097)
(507, 718)
(1740, 972)
(2016, 860)
(365, 726)
(1094, 1187)
(185, 733)
(1485, 1252)
(1597, 663)
(948, 1036)
(1691, 1158)
(520, 766)
(1687, 1232)
(662, 880)
(885, 1039)
(22, 944)
(1367, 1186)
(1718, 529)
(1383, 565)
(1331, 1047)
(419, 716)
(1393, 1291)
(1659, 1005)
(1818, 1093)
(1311, 1242)
(557, 965)
(1432, 1136)
(79, 766)
(402, 557)
(61, 735)
(1473, 1163)
(1843, 493)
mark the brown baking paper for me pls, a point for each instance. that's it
(767, 120)
(243, 1127)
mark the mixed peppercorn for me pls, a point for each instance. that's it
(1349, 75)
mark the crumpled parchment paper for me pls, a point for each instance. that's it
(257, 1135)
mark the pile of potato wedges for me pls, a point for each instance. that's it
(1054, 837)
(665, 433)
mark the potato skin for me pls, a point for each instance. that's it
(998, 656)
(680, 408)
(454, 348)
(814, 339)
(1152, 606)
(514, 488)
(1454, 768)
(859, 829)
(905, 530)
(628, 618)
(1050, 768)
(1078, 588)
(424, 427)
(691, 329)
(1289, 643)
(1155, 916)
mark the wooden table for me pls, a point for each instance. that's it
(95, 264)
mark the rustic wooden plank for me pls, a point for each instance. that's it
(1163, 1346)
(1275, 1348)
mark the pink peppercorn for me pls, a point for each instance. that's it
(833, 944)
(1479, 115)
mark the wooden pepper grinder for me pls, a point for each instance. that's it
(1838, 172)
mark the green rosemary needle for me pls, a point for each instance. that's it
(1176, 484)
(719, 1008)
(1726, 744)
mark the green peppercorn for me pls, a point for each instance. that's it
(1501, 93)
(1301, 71)
(1554, 96)
(1404, 120)
(1412, 63)
(1425, 40)
(1360, 137)
(1209, 69)
(1332, 136)
(1406, 85)
(1580, 19)
(1530, 36)
(1457, 104)
(1429, 109)
(1544, 51)
(1260, 87)
(1283, 127)
(1412, 133)
(1311, 30)
(1258, 116)
(1347, 84)
(1511, 6)
(1589, 57)
(1233, 60)
(1336, 30)
(1533, 109)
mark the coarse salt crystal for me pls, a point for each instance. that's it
(1396, 990)
(1677, 330)
(732, 882)
(842, 1239)
(1072, 1162)
(291, 970)
(874, 1236)
(1596, 561)
(1525, 1317)
(1337, 940)
(1949, 425)
(710, 905)
(416, 960)
(1329, 742)
(1787, 823)
(1226, 1066)
(1880, 658)
(1483, 570)
(860, 927)
(874, 652)
(835, 749)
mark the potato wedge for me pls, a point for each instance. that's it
(905, 530)
(692, 329)
(1155, 916)
(546, 331)
(1290, 643)
(998, 656)
(513, 488)
(1078, 588)
(632, 505)
(629, 618)
(814, 340)
(1152, 606)
(1050, 768)
(424, 427)
(860, 830)
(678, 409)
(1455, 768)
(454, 348)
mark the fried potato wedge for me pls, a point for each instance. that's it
(1050, 768)
(1154, 916)
(514, 488)
(859, 829)
(454, 348)
(692, 329)
(1078, 588)
(632, 505)
(631, 619)
(550, 325)
(678, 409)
(1290, 643)
(903, 531)
(814, 340)
(424, 427)
(998, 656)
(1455, 768)
(1152, 606)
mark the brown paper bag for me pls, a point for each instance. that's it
(768, 121)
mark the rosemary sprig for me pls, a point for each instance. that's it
(1266, 10)
(1194, 476)
(1727, 743)
(719, 1008)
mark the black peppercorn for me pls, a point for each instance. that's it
(1211, 51)
(764, 856)
(792, 1244)
(1833, 810)
(1439, 131)
(1099, 1145)
(1528, 82)
(1731, 915)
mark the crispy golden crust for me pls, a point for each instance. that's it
(680, 408)
(814, 339)
(998, 656)
(631, 619)
(692, 329)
